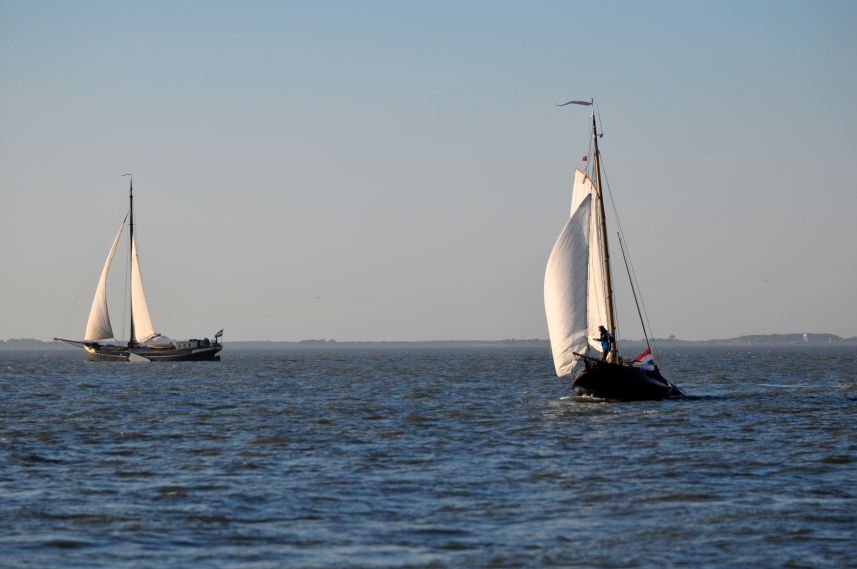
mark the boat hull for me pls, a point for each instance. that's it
(122, 354)
(615, 382)
(209, 354)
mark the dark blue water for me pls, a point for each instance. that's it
(425, 458)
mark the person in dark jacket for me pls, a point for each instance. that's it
(606, 341)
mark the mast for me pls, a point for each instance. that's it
(611, 318)
(131, 341)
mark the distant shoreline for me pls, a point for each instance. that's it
(795, 339)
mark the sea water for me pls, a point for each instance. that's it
(425, 457)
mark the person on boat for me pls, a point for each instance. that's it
(606, 341)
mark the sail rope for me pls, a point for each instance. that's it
(632, 273)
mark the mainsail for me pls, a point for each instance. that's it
(143, 329)
(98, 325)
(575, 283)
(566, 279)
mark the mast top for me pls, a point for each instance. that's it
(589, 103)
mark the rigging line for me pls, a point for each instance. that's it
(590, 162)
(642, 301)
(125, 290)
(639, 312)
(76, 304)
(633, 271)
(612, 314)
(632, 274)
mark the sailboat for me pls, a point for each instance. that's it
(579, 302)
(139, 346)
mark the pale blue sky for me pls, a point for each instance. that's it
(389, 170)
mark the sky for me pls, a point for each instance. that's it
(386, 170)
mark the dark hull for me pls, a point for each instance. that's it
(122, 354)
(616, 382)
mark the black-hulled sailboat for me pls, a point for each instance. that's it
(139, 346)
(579, 299)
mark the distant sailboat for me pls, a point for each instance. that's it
(99, 329)
(579, 300)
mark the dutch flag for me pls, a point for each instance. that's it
(219, 333)
(645, 360)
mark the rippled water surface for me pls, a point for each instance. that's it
(473, 457)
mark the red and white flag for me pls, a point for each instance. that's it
(645, 360)
(584, 158)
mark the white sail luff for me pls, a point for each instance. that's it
(143, 329)
(98, 324)
(565, 287)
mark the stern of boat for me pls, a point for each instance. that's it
(617, 382)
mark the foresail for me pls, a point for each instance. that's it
(98, 324)
(566, 287)
(143, 329)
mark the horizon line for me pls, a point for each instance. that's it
(477, 340)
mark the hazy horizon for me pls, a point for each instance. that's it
(457, 340)
(399, 172)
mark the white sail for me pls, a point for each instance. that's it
(98, 325)
(597, 301)
(143, 329)
(566, 285)
(596, 310)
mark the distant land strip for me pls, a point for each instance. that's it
(794, 339)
